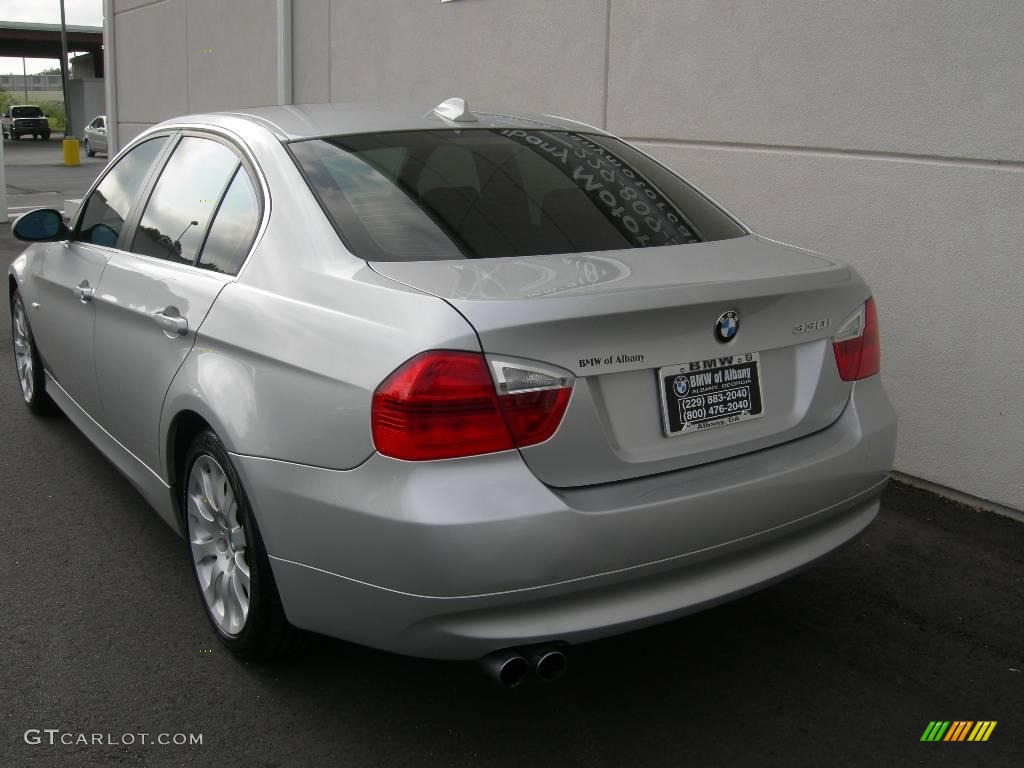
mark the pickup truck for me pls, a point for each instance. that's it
(25, 120)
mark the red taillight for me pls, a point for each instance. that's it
(443, 404)
(857, 346)
(533, 417)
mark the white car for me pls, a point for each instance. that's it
(94, 137)
(25, 120)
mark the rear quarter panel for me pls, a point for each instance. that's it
(293, 379)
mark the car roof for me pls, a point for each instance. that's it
(307, 121)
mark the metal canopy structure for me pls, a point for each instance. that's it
(42, 41)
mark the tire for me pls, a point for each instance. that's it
(46, 137)
(16, 136)
(27, 361)
(222, 542)
(89, 151)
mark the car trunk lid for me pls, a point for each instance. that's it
(622, 321)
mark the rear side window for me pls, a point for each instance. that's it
(483, 193)
(233, 228)
(184, 200)
(107, 207)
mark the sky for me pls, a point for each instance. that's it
(86, 12)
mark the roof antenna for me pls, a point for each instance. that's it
(455, 110)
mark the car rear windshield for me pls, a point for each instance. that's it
(26, 112)
(484, 193)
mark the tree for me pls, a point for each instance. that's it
(55, 111)
(50, 71)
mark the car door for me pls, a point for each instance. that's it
(62, 311)
(152, 298)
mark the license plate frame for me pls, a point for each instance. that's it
(732, 385)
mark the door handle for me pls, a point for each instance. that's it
(84, 292)
(171, 321)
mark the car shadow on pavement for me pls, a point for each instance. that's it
(882, 633)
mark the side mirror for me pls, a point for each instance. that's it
(43, 225)
(103, 235)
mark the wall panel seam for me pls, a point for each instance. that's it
(188, 99)
(607, 60)
(330, 50)
(1008, 165)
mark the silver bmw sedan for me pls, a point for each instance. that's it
(453, 384)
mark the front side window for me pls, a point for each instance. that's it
(184, 200)
(483, 193)
(106, 209)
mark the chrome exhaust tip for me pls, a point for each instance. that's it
(508, 668)
(549, 663)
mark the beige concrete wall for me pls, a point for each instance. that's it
(929, 77)
(887, 134)
(549, 56)
(311, 51)
(179, 56)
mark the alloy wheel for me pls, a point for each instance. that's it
(219, 545)
(22, 350)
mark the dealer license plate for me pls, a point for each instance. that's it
(705, 394)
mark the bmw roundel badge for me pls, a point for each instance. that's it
(728, 326)
(681, 385)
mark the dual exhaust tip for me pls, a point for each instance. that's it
(509, 668)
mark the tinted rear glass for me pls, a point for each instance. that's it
(484, 193)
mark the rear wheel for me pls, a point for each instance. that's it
(89, 151)
(27, 362)
(230, 565)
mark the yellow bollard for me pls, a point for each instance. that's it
(71, 152)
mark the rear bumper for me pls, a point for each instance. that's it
(455, 559)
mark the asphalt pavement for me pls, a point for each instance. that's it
(845, 664)
(37, 177)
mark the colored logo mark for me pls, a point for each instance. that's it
(958, 730)
(727, 326)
